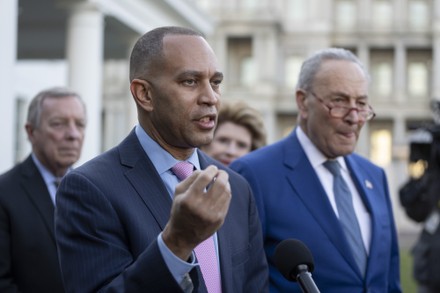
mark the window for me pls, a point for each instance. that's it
(382, 73)
(242, 69)
(293, 66)
(418, 73)
(381, 146)
(418, 14)
(382, 15)
(248, 72)
(297, 10)
(382, 78)
(345, 14)
(417, 79)
(285, 124)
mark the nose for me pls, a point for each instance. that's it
(74, 131)
(353, 116)
(232, 150)
(209, 95)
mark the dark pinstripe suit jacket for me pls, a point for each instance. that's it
(110, 211)
(28, 256)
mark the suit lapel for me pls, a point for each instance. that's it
(142, 174)
(306, 185)
(36, 190)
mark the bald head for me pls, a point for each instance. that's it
(149, 49)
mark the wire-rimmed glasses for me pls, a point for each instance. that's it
(365, 112)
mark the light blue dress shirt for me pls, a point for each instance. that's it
(163, 162)
(48, 178)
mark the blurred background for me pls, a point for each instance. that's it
(85, 44)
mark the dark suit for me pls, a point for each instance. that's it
(110, 212)
(421, 200)
(28, 256)
(292, 203)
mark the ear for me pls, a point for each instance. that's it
(141, 92)
(30, 131)
(301, 102)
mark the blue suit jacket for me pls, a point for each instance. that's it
(110, 211)
(292, 203)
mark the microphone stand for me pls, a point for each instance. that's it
(305, 280)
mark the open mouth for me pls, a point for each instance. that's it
(207, 122)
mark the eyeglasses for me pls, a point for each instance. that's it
(365, 112)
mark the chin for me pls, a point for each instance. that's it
(345, 151)
(204, 141)
(69, 161)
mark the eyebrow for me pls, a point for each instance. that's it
(344, 95)
(218, 74)
(198, 74)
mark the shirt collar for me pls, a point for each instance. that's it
(48, 177)
(315, 156)
(162, 160)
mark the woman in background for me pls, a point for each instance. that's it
(239, 130)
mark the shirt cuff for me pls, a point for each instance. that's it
(178, 268)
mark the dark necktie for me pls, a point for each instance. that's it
(347, 216)
(205, 251)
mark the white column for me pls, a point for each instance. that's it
(363, 53)
(8, 58)
(399, 132)
(132, 117)
(363, 145)
(85, 31)
(219, 43)
(399, 72)
(264, 52)
(398, 174)
(436, 11)
(436, 66)
(269, 114)
(436, 51)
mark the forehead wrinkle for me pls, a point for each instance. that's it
(345, 95)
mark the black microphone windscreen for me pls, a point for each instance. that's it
(291, 253)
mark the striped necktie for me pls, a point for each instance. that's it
(205, 251)
(347, 216)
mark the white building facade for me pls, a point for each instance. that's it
(262, 43)
(82, 44)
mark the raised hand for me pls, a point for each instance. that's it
(199, 209)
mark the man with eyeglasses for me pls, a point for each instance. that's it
(312, 187)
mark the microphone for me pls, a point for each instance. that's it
(295, 262)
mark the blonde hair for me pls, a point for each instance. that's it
(241, 114)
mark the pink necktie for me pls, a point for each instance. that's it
(205, 251)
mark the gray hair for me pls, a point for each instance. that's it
(312, 64)
(36, 105)
(148, 49)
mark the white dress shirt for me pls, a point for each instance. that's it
(317, 159)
